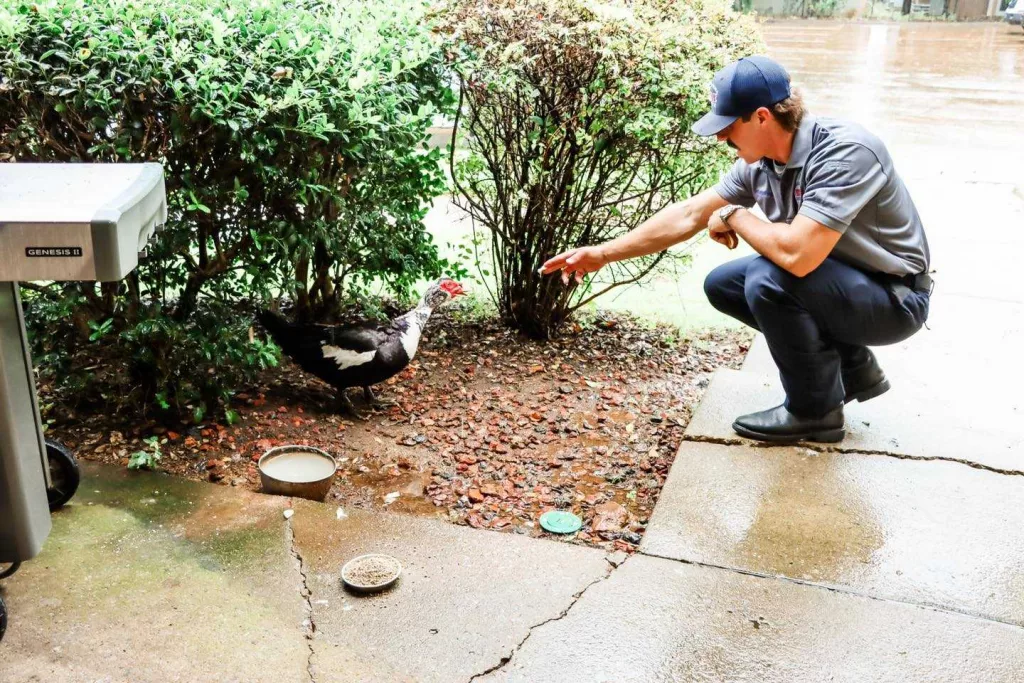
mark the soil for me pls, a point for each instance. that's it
(488, 429)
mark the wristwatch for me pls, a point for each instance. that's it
(726, 211)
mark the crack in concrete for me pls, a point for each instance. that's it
(943, 609)
(823, 448)
(307, 597)
(575, 598)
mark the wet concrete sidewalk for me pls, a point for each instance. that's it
(779, 564)
(147, 577)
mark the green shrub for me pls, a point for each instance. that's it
(292, 134)
(189, 369)
(575, 117)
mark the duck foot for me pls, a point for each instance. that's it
(372, 400)
(346, 407)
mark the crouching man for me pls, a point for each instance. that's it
(842, 261)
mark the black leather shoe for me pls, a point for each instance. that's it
(865, 381)
(778, 425)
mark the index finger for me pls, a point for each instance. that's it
(555, 263)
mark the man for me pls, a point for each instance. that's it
(843, 258)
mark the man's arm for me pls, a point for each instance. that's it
(798, 248)
(674, 224)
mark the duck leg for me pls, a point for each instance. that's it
(345, 405)
(371, 399)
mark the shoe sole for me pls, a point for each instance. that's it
(821, 436)
(869, 393)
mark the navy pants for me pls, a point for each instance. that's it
(818, 324)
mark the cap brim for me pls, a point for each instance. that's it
(712, 124)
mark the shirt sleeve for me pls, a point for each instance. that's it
(734, 187)
(840, 184)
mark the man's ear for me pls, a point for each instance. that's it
(763, 115)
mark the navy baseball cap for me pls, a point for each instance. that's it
(742, 88)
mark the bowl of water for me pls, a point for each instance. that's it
(300, 471)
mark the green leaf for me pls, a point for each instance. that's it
(138, 460)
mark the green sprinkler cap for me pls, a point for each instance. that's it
(560, 522)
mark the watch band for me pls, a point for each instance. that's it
(726, 212)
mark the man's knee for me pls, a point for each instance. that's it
(719, 287)
(766, 283)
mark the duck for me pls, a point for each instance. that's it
(361, 354)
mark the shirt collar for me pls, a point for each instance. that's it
(801, 145)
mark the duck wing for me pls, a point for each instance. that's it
(360, 338)
(327, 350)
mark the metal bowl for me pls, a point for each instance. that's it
(295, 471)
(390, 568)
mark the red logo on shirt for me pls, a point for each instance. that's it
(798, 194)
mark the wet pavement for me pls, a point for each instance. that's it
(656, 621)
(759, 564)
(904, 423)
(945, 97)
(152, 578)
(465, 599)
(146, 577)
(920, 532)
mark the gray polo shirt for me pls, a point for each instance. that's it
(841, 176)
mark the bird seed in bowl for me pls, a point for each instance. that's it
(369, 573)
